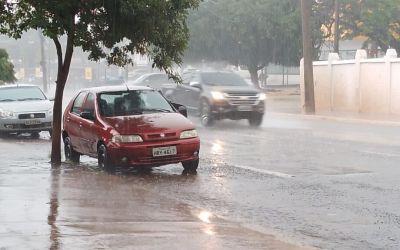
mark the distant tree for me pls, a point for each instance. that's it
(251, 33)
(378, 20)
(7, 73)
(111, 29)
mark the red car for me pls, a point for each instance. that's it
(129, 126)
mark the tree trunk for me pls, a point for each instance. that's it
(57, 118)
(254, 75)
(62, 76)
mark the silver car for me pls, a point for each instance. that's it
(24, 108)
(158, 81)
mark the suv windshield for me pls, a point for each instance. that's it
(132, 102)
(21, 94)
(222, 79)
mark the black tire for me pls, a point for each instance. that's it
(70, 153)
(190, 166)
(103, 160)
(256, 120)
(35, 135)
(205, 114)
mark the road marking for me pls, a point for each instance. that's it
(380, 153)
(263, 171)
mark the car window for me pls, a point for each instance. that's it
(156, 78)
(159, 79)
(132, 102)
(222, 79)
(76, 107)
(186, 78)
(21, 94)
(88, 106)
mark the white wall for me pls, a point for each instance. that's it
(361, 85)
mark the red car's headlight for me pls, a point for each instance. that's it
(188, 134)
(126, 138)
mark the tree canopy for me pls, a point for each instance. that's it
(112, 30)
(377, 20)
(7, 73)
(251, 33)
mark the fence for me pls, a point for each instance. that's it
(360, 85)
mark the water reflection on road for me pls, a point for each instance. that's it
(79, 206)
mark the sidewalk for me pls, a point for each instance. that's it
(286, 100)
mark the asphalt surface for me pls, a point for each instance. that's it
(294, 183)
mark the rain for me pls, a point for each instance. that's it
(233, 145)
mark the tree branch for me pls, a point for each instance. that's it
(68, 53)
(59, 56)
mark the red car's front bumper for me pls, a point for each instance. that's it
(141, 154)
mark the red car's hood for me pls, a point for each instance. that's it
(149, 123)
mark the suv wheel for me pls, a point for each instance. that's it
(190, 166)
(255, 120)
(70, 153)
(205, 114)
(103, 159)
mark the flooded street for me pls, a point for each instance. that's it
(294, 183)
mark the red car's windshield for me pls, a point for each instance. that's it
(132, 102)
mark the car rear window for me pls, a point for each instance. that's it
(21, 94)
(222, 79)
(132, 102)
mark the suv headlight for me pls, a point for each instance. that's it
(126, 138)
(217, 95)
(6, 114)
(188, 134)
(50, 112)
(262, 96)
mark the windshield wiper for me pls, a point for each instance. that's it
(157, 110)
(7, 100)
(30, 99)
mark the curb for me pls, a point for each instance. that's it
(341, 119)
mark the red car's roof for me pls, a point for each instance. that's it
(115, 88)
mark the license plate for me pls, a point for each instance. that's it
(32, 122)
(244, 108)
(164, 151)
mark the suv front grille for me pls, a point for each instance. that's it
(32, 115)
(242, 98)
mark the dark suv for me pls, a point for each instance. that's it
(219, 95)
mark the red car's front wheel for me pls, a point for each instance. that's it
(190, 166)
(103, 159)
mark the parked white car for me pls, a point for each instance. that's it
(24, 108)
(158, 81)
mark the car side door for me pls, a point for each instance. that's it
(73, 121)
(187, 94)
(88, 131)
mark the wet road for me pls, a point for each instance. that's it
(294, 182)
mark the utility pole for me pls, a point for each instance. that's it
(309, 103)
(43, 62)
(337, 30)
